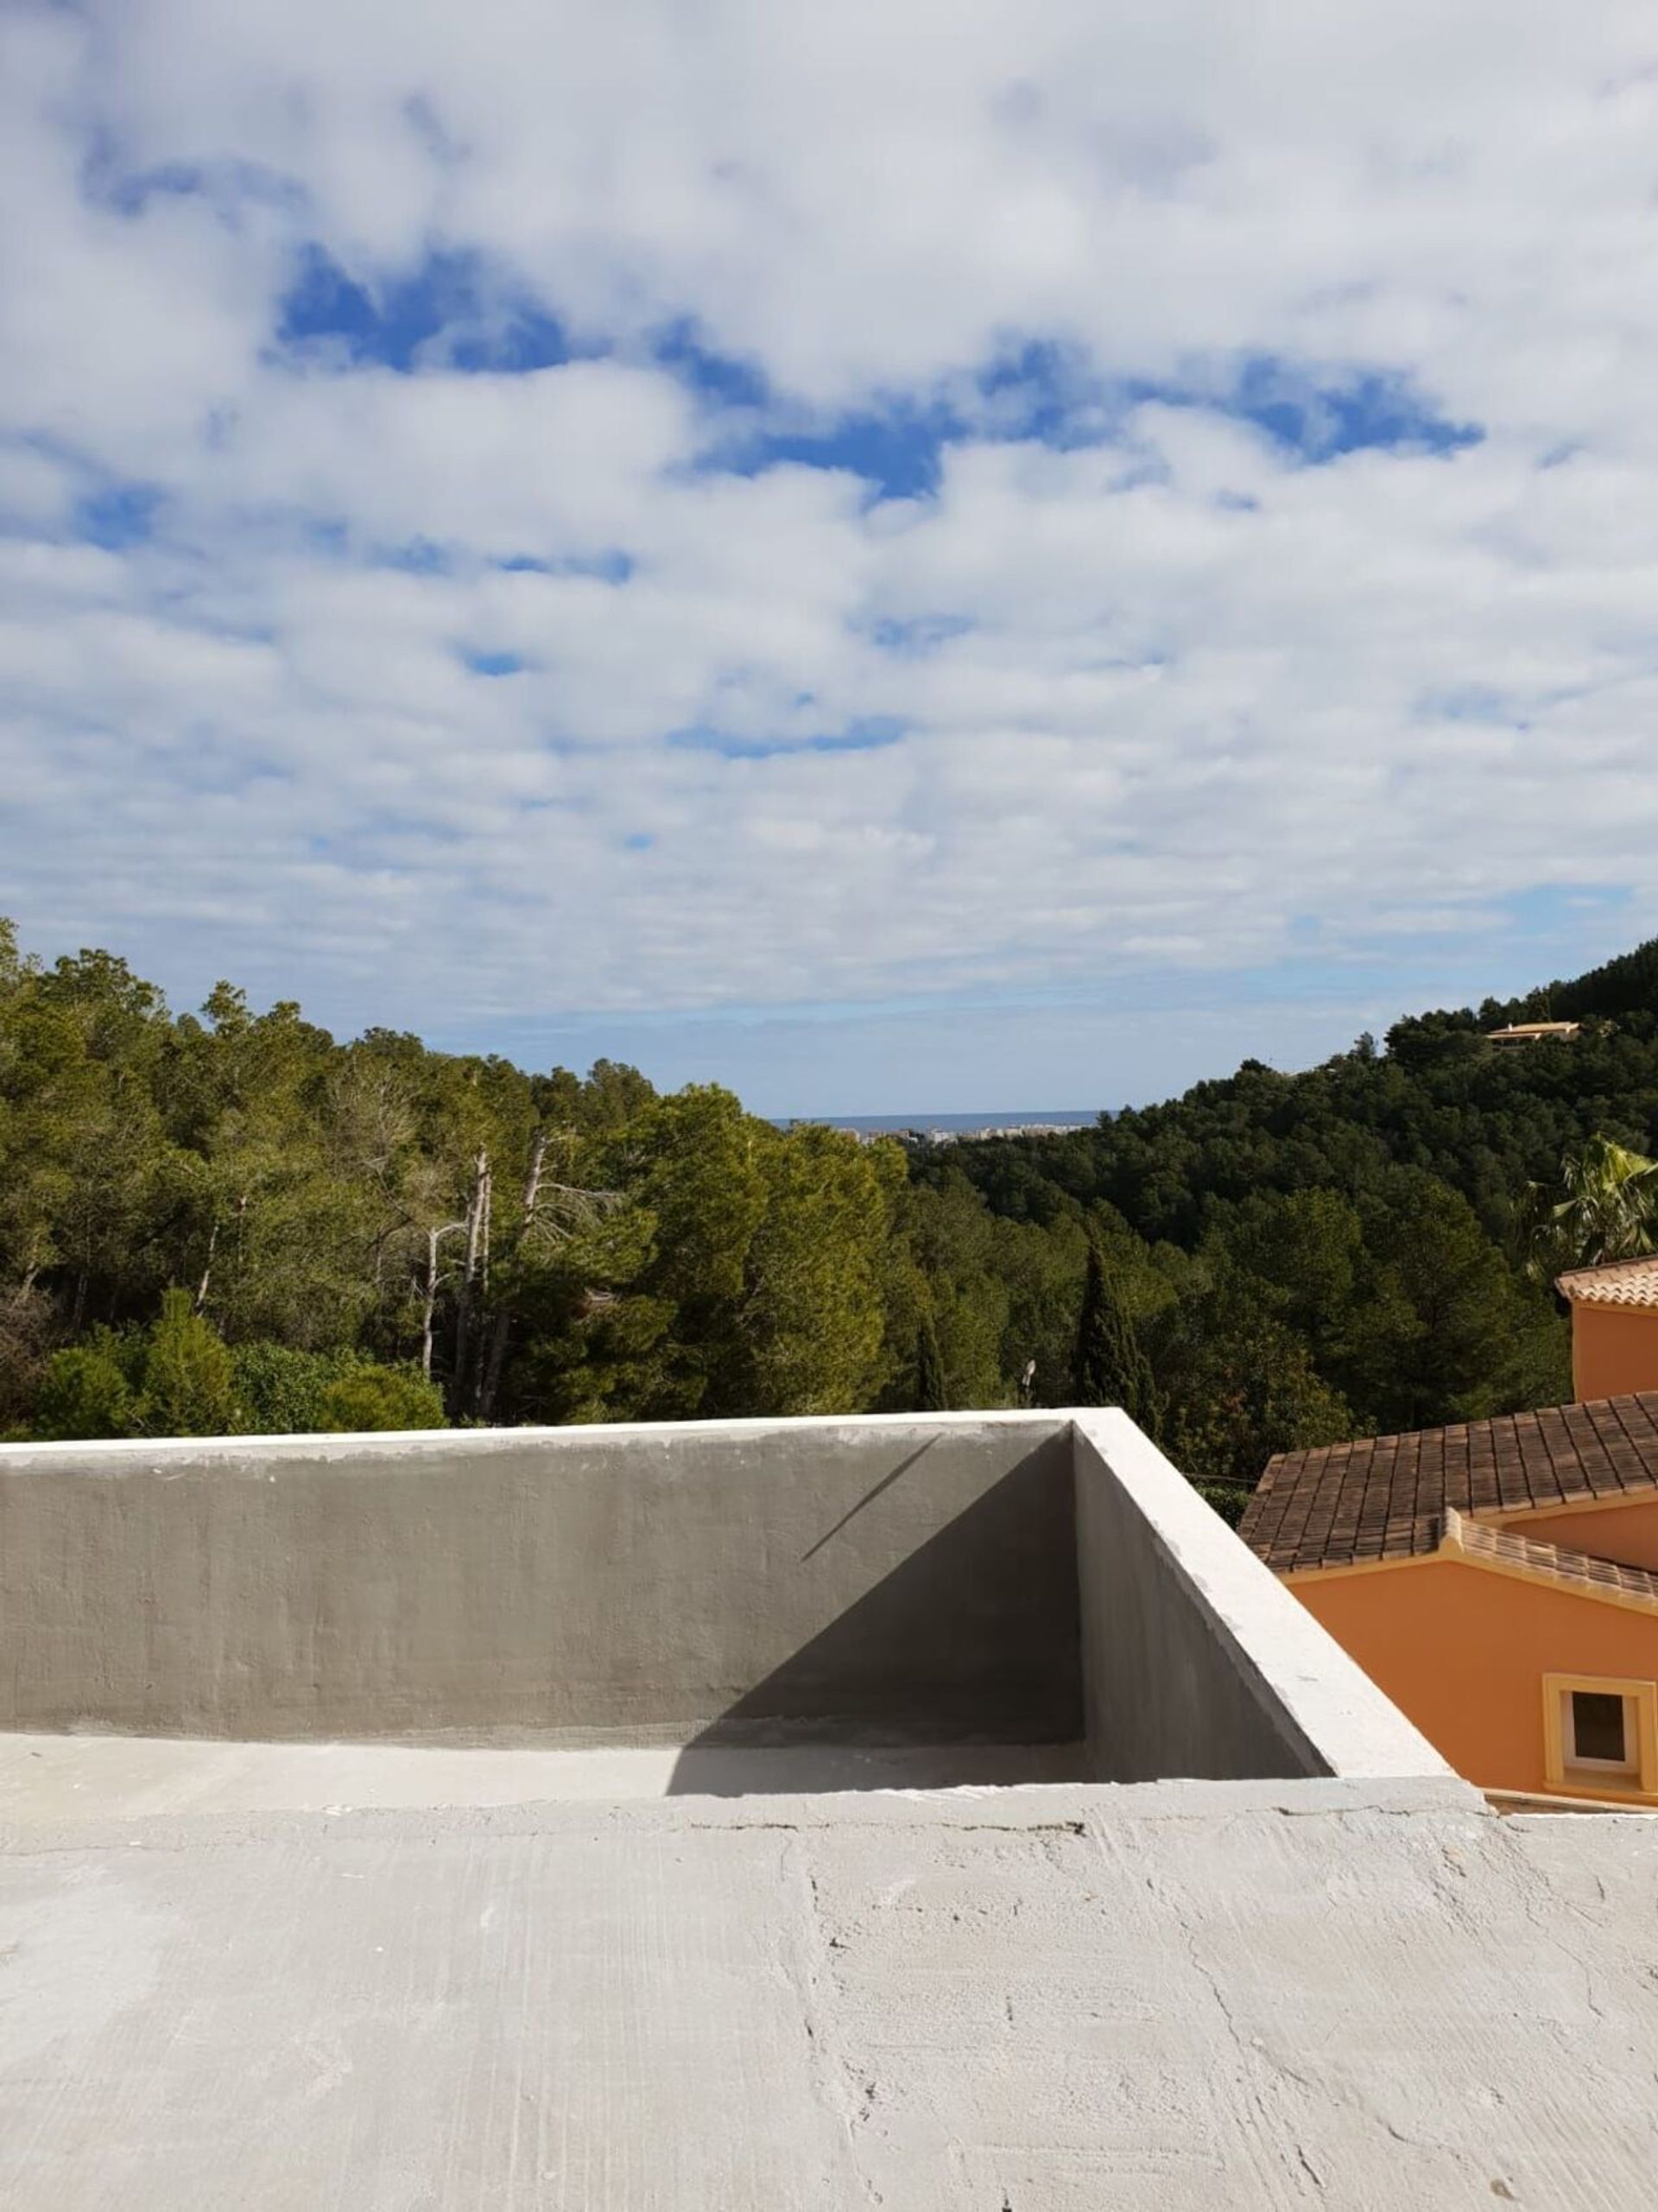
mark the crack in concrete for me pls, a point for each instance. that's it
(1256, 2054)
(832, 2069)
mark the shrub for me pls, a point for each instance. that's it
(370, 1396)
(87, 1391)
(282, 1389)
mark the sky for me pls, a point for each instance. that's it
(899, 557)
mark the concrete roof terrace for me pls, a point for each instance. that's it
(925, 1812)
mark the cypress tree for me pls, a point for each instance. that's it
(1111, 1366)
(932, 1395)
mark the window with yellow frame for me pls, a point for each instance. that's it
(1600, 1735)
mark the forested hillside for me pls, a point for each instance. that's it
(232, 1219)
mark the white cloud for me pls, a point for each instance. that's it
(1173, 699)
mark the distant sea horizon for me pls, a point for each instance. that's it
(958, 1124)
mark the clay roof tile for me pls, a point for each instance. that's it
(1386, 1497)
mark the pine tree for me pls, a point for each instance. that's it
(1111, 1366)
(189, 1387)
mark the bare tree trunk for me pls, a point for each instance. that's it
(482, 1288)
(238, 1272)
(429, 1302)
(428, 1290)
(478, 1214)
(532, 1181)
(207, 1268)
(489, 1383)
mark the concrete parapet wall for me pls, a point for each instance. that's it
(889, 1580)
(1196, 1660)
(1002, 1578)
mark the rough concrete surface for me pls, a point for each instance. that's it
(1056, 1999)
(908, 1580)
(630, 1966)
(51, 1778)
(1192, 1661)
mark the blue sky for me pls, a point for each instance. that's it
(1138, 556)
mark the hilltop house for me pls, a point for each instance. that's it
(1519, 1033)
(1498, 1579)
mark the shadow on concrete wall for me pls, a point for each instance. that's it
(971, 1640)
(867, 1499)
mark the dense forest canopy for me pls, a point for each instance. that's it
(233, 1220)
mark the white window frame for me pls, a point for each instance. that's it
(1629, 1763)
(1636, 1773)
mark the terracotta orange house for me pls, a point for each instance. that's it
(1499, 1579)
(1614, 1327)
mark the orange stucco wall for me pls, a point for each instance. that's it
(1463, 1653)
(1614, 1350)
(1628, 1533)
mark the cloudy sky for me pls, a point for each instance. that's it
(905, 556)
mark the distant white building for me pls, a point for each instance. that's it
(1519, 1033)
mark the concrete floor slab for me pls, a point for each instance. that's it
(1028, 2001)
(46, 1778)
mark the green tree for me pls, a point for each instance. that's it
(1039, 1269)
(188, 1385)
(932, 1394)
(1304, 1249)
(371, 1397)
(953, 1237)
(810, 1316)
(1241, 1387)
(79, 1136)
(281, 1388)
(1605, 1208)
(691, 1169)
(87, 1391)
(1111, 1366)
(281, 1219)
(1451, 1333)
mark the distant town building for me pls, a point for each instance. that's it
(1498, 1579)
(1518, 1033)
(924, 1137)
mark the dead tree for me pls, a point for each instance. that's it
(212, 1246)
(427, 1290)
(206, 1270)
(474, 1277)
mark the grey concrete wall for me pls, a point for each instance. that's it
(1196, 1661)
(885, 1580)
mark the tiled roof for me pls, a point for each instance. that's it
(1386, 1497)
(1620, 1283)
(1550, 1562)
